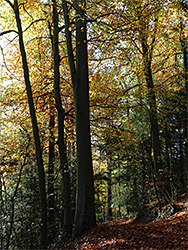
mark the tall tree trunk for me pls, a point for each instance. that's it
(109, 186)
(185, 59)
(85, 211)
(169, 160)
(15, 7)
(152, 172)
(51, 196)
(184, 45)
(1, 210)
(61, 116)
(153, 106)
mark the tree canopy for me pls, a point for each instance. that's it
(94, 115)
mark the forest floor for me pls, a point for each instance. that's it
(166, 232)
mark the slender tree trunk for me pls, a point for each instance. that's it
(169, 161)
(182, 161)
(85, 212)
(1, 211)
(184, 45)
(153, 107)
(35, 128)
(109, 186)
(51, 196)
(61, 116)
(152, 173)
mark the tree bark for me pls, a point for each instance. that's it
(67, 223)
(109, 187)
(51, 196)
(85, 211)
(1, 210)
(153, 106)
(184, 45)
(35, 128)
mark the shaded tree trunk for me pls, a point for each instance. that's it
(184, 45)
(1, 211)
(156, 145)
(51, 196)
(67, 223)
(169, 160)
(109, 187)
(152, 173)
(15, 7)
(85, 212)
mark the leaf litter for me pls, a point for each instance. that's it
(167, 232)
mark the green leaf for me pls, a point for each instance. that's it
(175, 29)
(165, 35)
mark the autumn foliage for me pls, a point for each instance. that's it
(93, 124)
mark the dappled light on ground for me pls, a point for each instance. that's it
(167, 232)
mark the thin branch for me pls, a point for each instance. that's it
(8, 31)
(38, 20)
(9, 2)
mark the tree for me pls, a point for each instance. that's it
(61, 116)
(135, 125)
(43, 202)
(184, 45)
(51, 166)
(85, 212)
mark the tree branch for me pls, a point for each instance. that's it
(7, 31)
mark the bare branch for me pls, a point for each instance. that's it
(8, 31)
